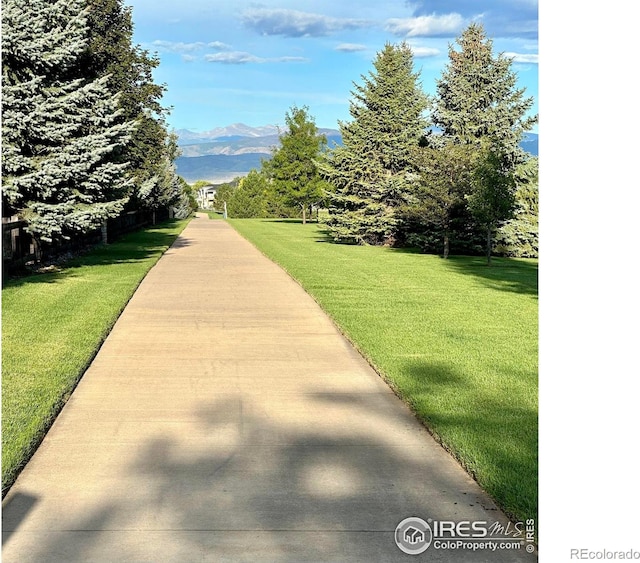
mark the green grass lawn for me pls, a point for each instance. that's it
(457, 340)
(52, 326)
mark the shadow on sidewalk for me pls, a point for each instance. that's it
(307, 494)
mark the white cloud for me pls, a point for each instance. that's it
(426, 26)
(424, 52)
(293, 23)
(219, 46)
(240, 57)
(233, 58)
(350, 47)
(523, 58)
(178, 47)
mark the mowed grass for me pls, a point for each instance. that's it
(52, 326)
(457, 340)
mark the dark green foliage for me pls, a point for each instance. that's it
(468, 170)
(438, 211)
(250, 197)
(224, 194)
(83, 129)
(373, 172)
(293, 169)
(492, 197)
(151, 151)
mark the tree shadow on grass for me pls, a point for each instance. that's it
(488, 431)
(131, 248)
(289, 220)
(505, 274)
(516, 275)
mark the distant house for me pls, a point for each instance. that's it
(205, 196)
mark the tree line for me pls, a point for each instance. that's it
(84, 133)
(442, 172)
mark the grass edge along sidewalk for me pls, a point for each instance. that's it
(455, 339)
(54, 323)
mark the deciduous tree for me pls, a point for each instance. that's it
(249, 199)
(492, 197)
(432, 218)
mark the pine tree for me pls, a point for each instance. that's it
(478, 106)
(59, 134)
(293, 168)
(373, 171)
(477, 97)
(249, 198)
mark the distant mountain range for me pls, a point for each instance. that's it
(231, 132)
(224, 153)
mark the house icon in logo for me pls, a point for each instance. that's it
(413, 535)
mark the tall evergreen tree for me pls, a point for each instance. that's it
(479, 108)
(249, 198)
(373, 171)
(477, 96)
(293, 168)
(110, 51)
(59, 134)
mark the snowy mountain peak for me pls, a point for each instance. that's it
(236, 130)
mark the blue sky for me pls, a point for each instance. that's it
(229, 62)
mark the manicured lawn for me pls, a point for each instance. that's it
(52, 326)
(456, 339)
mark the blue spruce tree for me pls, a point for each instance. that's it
(59, 135)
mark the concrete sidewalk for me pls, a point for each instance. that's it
(226, 419)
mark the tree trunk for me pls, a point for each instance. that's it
(445, 252)
(103, 232)
(489, 230)
(304, 214)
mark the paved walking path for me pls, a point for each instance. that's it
(226, 419)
